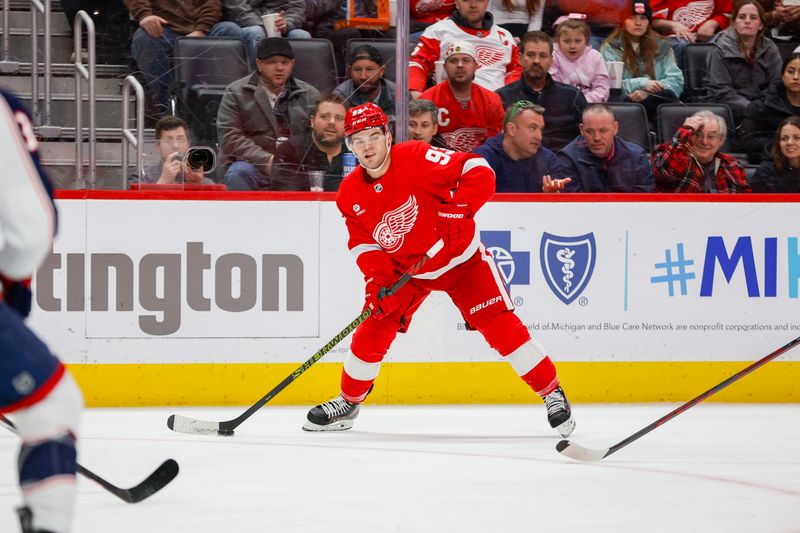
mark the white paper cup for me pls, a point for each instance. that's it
(316, 180)
(439, 75)
(269, 24)
(615, 73)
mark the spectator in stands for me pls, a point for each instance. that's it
(650, 75)
(743, 62)
(321, 17)
(319, 149)
(690, 21)
(243, 21)
(172, 143)
(603, 16)
(160, 23)
(575, 62)
(468, 113)
(783, 21)
(781, 172)
(563, 103)
(600, 161)
(473, 23)
(693, 163)
(427, 12)
(518, 16)
(260, 111)
(366, 83)
(422, 123)
(516, 155)
(768, 109)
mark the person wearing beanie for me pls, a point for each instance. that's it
(468, 113)
(650, 75)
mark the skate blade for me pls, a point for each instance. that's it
(565, 429)
(339, 425)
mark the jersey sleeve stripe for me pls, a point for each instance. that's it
(364, 248)
(475, 162)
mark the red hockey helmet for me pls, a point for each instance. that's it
(363, 117)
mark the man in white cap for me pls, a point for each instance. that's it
(468, 113)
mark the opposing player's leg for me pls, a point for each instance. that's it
(45, 403)
(362, 364)
(478, 290)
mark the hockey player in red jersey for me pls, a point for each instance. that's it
(397, 203)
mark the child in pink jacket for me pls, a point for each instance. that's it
(575, 62)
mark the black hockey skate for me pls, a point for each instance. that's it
(559, 412)
(335, 415)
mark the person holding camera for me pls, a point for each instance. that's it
(176, 164)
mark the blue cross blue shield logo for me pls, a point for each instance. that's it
(567, 263)
(514, 266)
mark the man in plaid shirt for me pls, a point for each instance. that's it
(693, 163)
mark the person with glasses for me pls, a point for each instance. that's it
(519, 161)
(397, 204)
(693, 163)
(599, 160)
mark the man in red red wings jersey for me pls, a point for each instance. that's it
(468, 113)
(397, 204)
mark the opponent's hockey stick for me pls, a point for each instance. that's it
(579, 453)
(185, 424)
(156, 481)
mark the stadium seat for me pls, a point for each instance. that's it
(314, 63)
(695, 71)
(749, 171)
(204, 67)
(633, 125)
(786, 48)
(671, 116)
(386, 47)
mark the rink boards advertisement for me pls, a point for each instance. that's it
(677, 293)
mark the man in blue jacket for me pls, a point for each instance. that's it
(599, 161)
(516, 155)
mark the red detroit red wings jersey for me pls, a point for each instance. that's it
(498, 57)
(466, 129)
(396, 214)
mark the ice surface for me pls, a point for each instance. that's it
(486, 469)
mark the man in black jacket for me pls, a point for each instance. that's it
(563, 103)
(321, 149)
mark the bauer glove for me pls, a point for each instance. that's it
(378, 299)
(456, 227)
(17, 295)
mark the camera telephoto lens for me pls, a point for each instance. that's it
(200, 158)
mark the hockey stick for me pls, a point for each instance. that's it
(185, 424)
(156, 481)
(579, 453)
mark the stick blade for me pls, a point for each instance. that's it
(184, 424)
(579, 453)
(156, 481)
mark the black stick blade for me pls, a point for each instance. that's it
(579, 453)
(156, 481)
